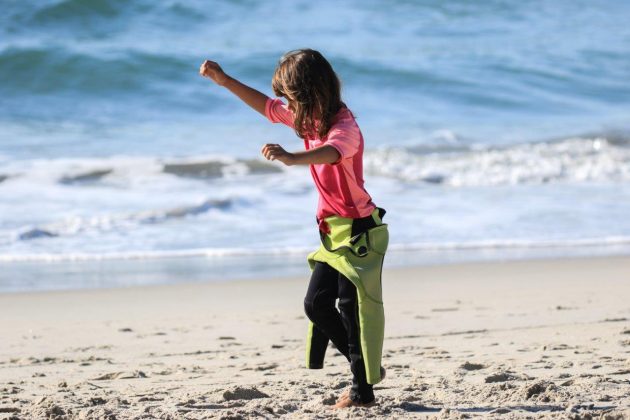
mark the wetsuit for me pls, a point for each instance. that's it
(342, 326)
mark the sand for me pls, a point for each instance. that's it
(527, 339)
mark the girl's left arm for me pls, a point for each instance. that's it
(323, 154)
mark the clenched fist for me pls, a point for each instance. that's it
(213, 71)
(276, 152)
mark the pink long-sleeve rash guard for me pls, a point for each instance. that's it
(340, 184)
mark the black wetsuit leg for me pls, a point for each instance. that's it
(349, 307)
(341, 326)
(319, 305)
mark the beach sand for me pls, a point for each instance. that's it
(543, 338)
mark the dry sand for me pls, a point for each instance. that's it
(547, 338)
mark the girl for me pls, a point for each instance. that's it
(348, 264)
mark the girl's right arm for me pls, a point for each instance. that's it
(250, 96)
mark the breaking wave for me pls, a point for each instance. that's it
(76, 225)
(579, 159)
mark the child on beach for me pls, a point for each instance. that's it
(348, 264)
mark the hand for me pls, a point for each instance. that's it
(213, 71)
(276, 152)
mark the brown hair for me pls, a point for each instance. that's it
(307, 79)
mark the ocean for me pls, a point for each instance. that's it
(494, 130)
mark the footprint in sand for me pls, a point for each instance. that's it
(149, 399)
(501, 377)
(9, 410)
(121, 375)
(229, 341)
(614, 320)
(243, 393)
(97, 401)
(267, 366)
(540, 391)
(558, 347)
(472, 366)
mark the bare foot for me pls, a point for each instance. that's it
(347, 403)
(344, 396)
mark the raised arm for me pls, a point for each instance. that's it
(250, 96)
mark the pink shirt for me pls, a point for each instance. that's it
(340, 184)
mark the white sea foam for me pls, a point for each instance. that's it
(300, 251)
(76, 225)
(134, 255)
(570, 160)
(133, 168)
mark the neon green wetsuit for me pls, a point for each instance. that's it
(360, 259)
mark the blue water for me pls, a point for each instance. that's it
(491, 128)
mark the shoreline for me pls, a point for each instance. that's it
(543, 338)
(45, 276)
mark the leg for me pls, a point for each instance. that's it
(361, 391)
(319, 305)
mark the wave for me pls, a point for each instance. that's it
(89, 176)
(77, 225)
(120, 72)
(300, 251)
(68, 11)
(604, 158)
(79, 172)
(569, 160)
(97, 18)
(217, 169)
